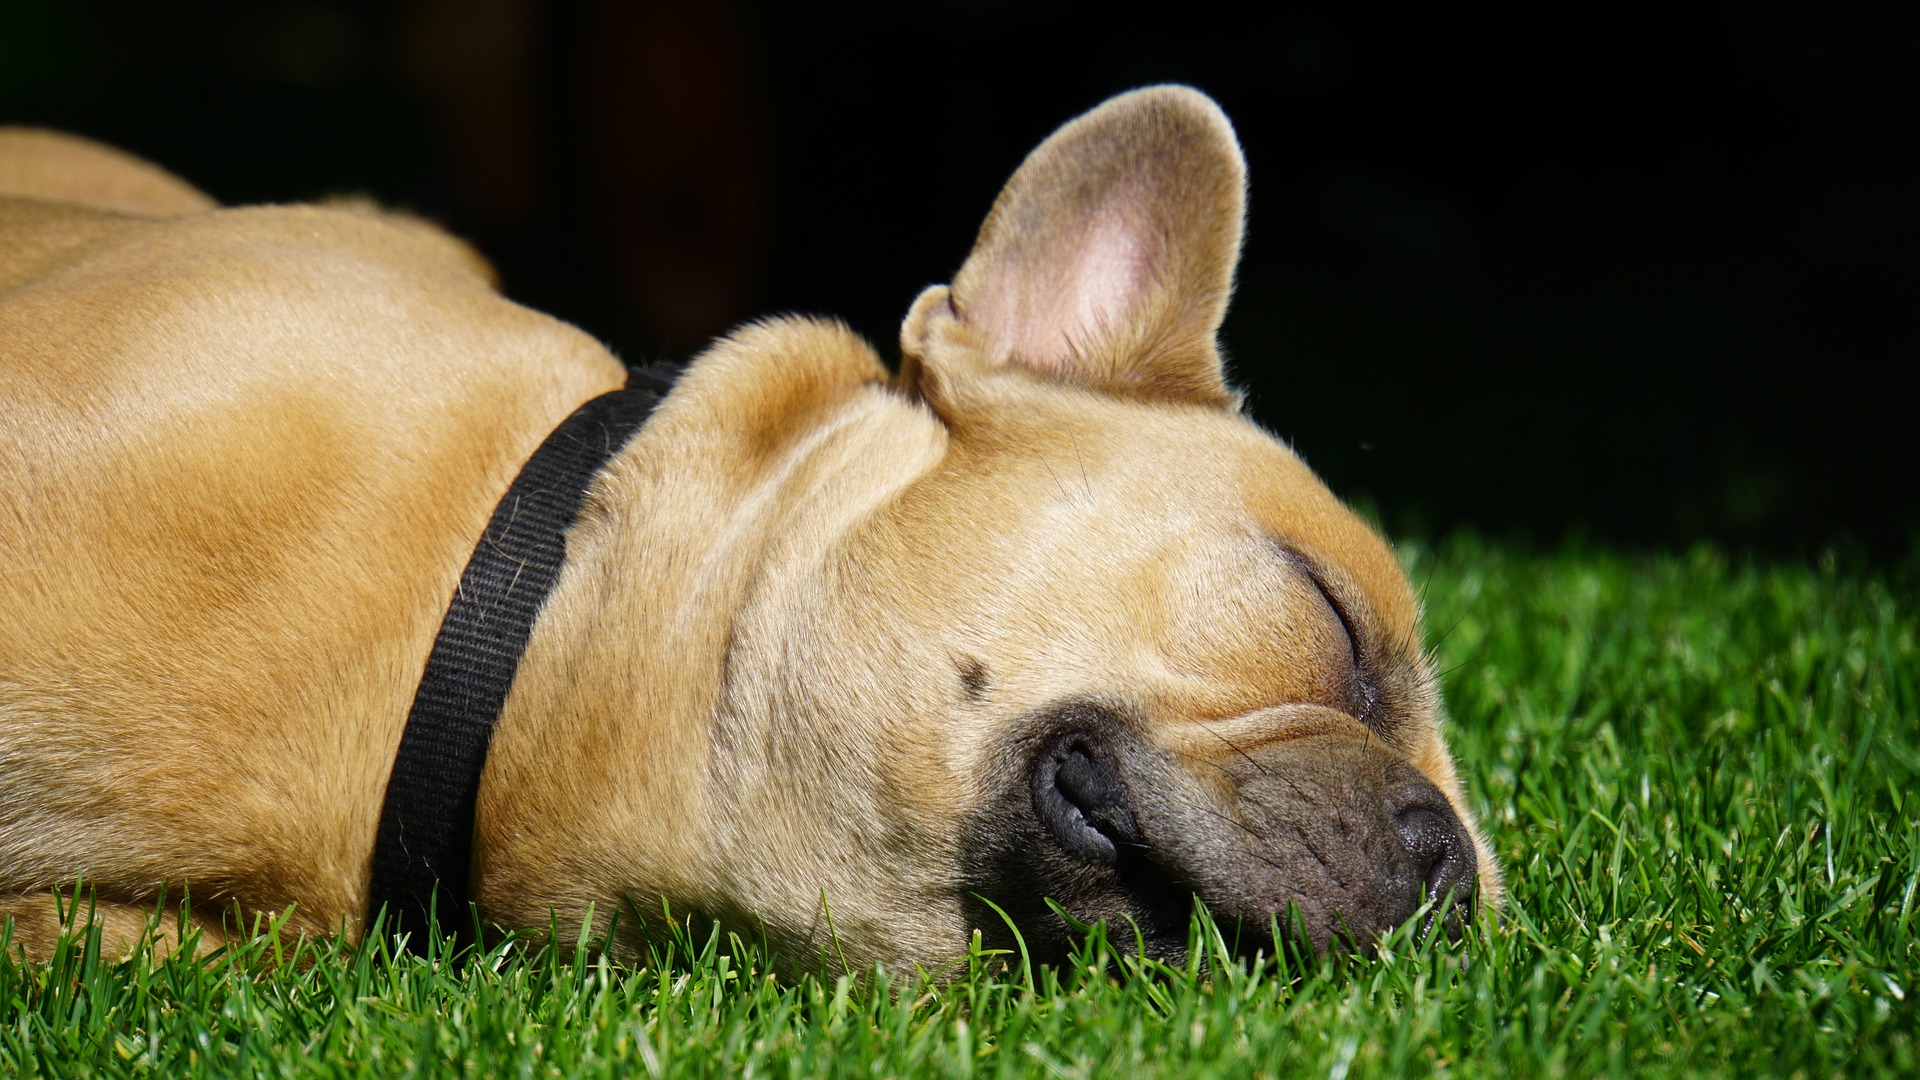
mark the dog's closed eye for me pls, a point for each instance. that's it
(1346, 681)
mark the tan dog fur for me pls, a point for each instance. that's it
(244, 454)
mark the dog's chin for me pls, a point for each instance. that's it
(1328, 842)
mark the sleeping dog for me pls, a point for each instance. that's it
(809, 644)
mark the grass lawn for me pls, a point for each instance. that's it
(1703, 775)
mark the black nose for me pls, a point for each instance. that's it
(1080, 797)
(1444, 866)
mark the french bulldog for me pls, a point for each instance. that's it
(856, 659)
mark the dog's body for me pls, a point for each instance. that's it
(820, 631)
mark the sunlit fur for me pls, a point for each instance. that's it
(245, 452)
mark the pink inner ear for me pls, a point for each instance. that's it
(1048, 315)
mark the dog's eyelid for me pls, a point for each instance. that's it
(1354, 639)
(1329, 590)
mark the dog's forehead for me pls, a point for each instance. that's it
(1160, 480)
(1190, 534)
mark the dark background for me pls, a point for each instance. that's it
(1642, 275)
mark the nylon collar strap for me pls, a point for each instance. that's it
(423, 854)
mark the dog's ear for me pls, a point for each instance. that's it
(1106, 261)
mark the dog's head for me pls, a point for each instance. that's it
(1098, 638)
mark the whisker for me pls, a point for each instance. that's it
(1236, 749)
(1442, 639)
(1475, 658)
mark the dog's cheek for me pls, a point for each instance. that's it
(841, 810)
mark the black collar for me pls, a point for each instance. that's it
(423, 855)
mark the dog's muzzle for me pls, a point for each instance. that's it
(1328, 841)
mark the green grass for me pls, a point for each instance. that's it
(1701, 773)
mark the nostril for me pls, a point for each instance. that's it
(1443, 860)
(1080, 796)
